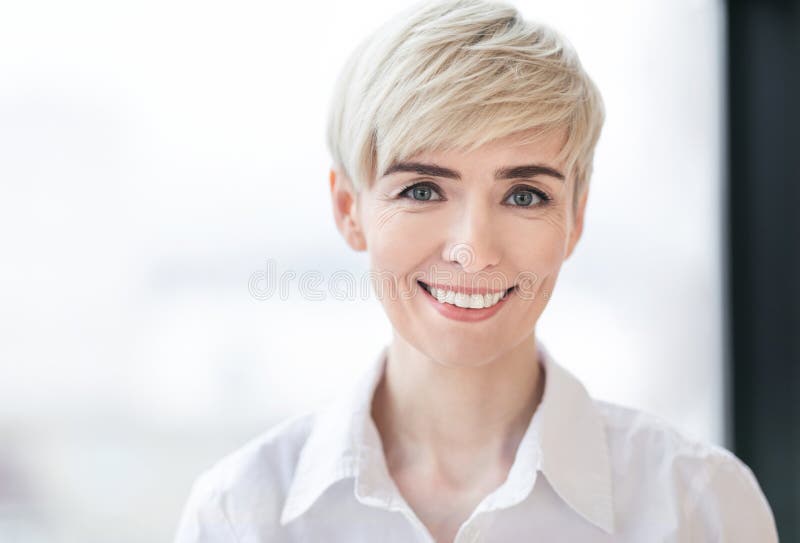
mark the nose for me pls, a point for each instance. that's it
(473, 243)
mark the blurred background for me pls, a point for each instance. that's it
(160, 160)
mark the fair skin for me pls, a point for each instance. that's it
(457, 396)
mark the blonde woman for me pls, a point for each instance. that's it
(462, 139)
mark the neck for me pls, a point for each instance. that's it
(455, 418)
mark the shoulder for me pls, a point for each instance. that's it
(712, 493)
(247, 485)
(647, 434)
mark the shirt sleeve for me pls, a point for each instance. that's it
(729, 506)
(203, 519)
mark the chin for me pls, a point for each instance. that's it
(464, 354)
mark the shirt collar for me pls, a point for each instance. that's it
(566, 440)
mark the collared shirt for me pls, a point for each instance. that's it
(585, 470)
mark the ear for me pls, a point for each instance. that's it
(577, 225)
(345, 210)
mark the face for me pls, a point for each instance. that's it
(468, 221)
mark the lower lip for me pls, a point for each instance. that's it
(462, 313)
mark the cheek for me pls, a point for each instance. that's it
(538, 247)
(399, 240)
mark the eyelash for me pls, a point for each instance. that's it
(545, 199)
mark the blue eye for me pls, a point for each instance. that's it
(425, 192)
(526, 197)
(421, 192)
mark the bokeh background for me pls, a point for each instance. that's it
(159, 159)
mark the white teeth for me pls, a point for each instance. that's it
(474, 301)
(462, 300)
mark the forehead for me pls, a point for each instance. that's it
(508, 151)
(497, 162)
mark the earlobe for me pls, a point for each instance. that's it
(358, 243)
(345, 209)
(577, 228)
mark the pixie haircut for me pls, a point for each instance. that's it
(455, 74)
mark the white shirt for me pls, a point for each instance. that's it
(585, 471)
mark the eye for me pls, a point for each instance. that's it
(420, 192)
(528, 197)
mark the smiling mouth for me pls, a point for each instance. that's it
(430, 290)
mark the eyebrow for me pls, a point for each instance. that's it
(512, 172)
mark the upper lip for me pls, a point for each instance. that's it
(466, 290)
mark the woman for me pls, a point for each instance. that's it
(462, 139)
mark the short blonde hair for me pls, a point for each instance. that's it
(454, 74)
